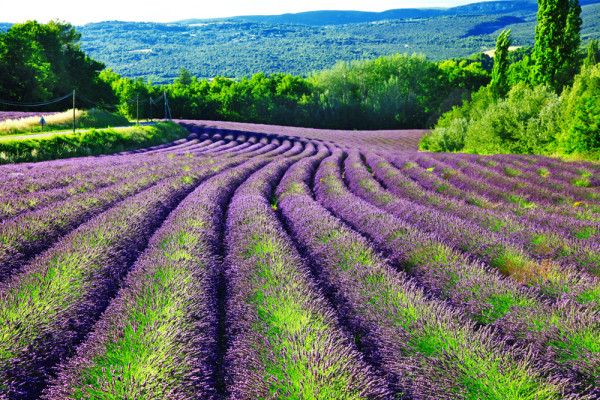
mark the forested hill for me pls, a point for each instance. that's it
(341, 17)
(237, 47)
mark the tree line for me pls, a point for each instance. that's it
(400, 91)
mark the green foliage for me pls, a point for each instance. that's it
(499, 82)
(451, 129)
(520, 71)
(460, 78)
(529, 121)
(525, 122)
(556, 42)
(185, 78)
(570, 46)
(593, 55)
(581, 113)
(389, 92)
(43, 61)
(447, 138)
(25, 74)
(93, 142)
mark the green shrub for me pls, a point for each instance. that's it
(524, 122)
(528, 121)
(451, 129)
(581, 114)
(450, 138)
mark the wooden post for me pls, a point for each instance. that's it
(137, 112)
(150, 104)
(73, 110)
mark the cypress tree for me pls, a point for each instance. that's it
(556, 42)
(499, 84)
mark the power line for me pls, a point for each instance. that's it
(9, 103)
(114, 106)
(136, 100)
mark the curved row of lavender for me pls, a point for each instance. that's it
(252, 261)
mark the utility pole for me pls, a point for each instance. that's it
(165, 95)
(73, 110)
(137, 112)
(150, 103)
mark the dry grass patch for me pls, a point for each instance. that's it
(92, 118)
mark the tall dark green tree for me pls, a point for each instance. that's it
(500, 85)
(185, 77)
(556, 43)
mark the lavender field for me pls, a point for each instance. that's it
(16, 115)
(261, 262)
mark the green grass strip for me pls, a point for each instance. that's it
(89, 143)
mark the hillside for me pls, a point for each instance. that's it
(307, 42)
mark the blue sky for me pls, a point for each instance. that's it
(80, 12)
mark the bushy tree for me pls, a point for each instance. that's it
(42, 61)
(450, 131)
(396, 91)
(520, 65)
(448, 138)
(25, 73)
(465, 73)
(525, 122)
(514, 125)
(400, 91)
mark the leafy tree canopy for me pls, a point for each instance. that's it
(39, 62)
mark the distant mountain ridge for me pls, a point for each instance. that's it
(341, 17)
(333, 17)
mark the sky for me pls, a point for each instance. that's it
(79, 12)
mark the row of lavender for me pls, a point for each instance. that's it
(50, 302)
(425, 348)
(295, 269)
(551, 313)
(32, 221)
